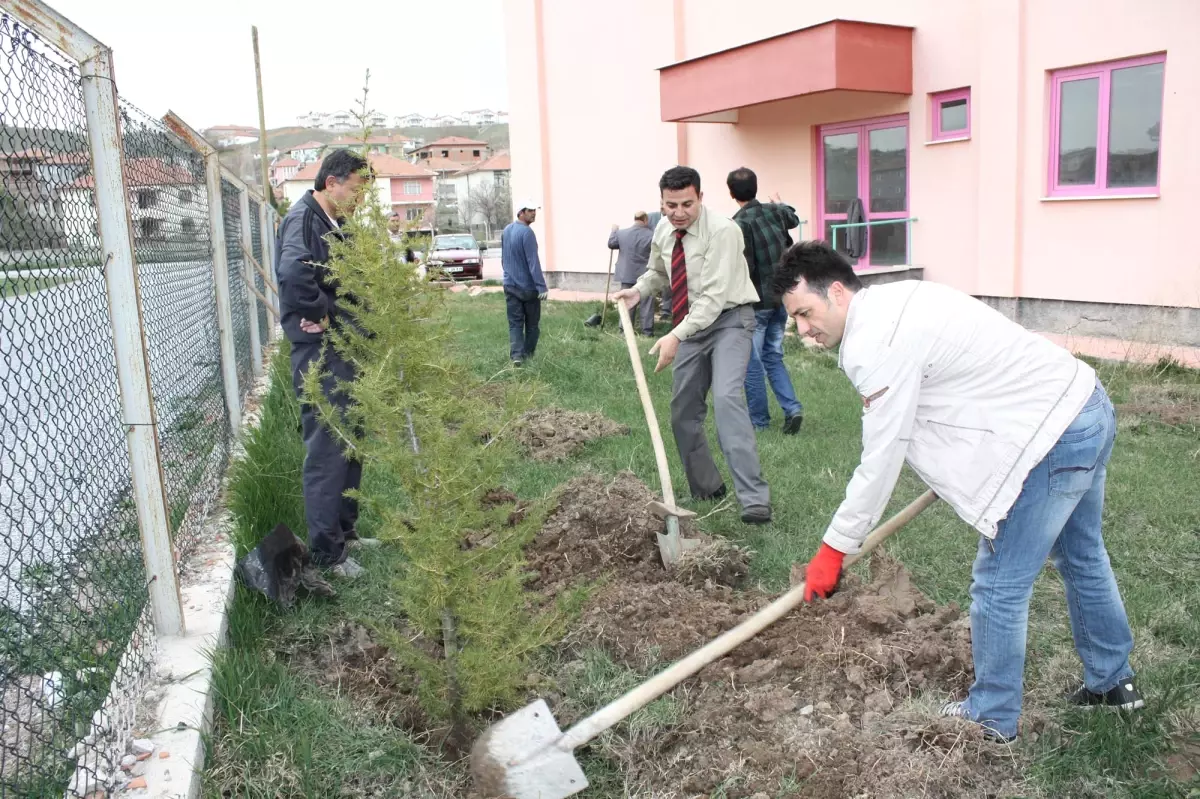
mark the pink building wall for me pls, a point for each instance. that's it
(397, 194)
(588, 140)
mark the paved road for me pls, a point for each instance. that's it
(63, 462)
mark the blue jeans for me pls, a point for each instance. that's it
(1057, 515)
(767, 356)
(524, 311)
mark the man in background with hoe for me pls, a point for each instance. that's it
(524, 285)
(1012, 431)
(308, 309)
(633, 245)
(765, 229)
(700, 254)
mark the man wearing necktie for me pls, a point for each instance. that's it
(701, 256)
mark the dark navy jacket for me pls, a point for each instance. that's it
(306, 288)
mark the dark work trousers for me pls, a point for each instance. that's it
(715, 359)
(645, 317)
(328, 473)
(524, 320)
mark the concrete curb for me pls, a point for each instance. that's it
(177, 711)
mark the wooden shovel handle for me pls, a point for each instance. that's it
(664, 681)
(660, 452)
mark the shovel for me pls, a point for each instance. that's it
(597, 319)
(526, 756)
(670, 546)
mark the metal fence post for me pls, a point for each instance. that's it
(256, 359)
(132, 358)
(216, 230)
(268, 262)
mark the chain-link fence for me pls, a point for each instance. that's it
(76, 638)
(231, 202)
(256, 249)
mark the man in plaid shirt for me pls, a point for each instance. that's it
(765, 231)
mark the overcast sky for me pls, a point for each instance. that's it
(196, 58)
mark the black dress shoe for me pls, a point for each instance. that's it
(757, 514)
(718, 494)
(791, 425)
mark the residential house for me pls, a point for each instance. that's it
(231, 135)
(484, 116)
(445, 121)
(1006, 149)
(313, 119)
(454, 148)
(405, 188)
(283, 169)
(32, 211)
(482, 194)
(380, 144)
(165, 201)
(340, 120)
(307, 152)
(411, 121)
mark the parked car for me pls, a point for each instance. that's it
(458, 255)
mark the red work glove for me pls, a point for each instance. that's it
(823, 572)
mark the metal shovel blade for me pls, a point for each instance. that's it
(671, 545)
(516, 758)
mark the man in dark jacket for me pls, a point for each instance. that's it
(308, 308)
(765, 229)
(633, 243)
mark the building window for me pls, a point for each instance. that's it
(475, 153)
(445, 153)
(1105, 121)
(951, 115)
(185, 196)
(414, 214)
(412, 187)
(147, 198)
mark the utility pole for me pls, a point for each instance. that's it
(268, 191)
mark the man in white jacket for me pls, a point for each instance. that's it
(1012, 431)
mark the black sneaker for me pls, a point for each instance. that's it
(791, 425)
(757, 514)
(1123, 696)
(718, 494)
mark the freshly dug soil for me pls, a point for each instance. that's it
(554, 434)
(837, 699)
(603, 528)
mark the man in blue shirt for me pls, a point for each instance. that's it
(524, 286)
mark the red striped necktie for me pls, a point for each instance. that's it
(679, 291)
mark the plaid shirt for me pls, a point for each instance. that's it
(765, 230)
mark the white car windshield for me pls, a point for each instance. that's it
(454, 243)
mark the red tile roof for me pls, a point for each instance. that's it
(385, 166)
(47, 157)
(497, 163)
(455, 141)
(283, 162)
(146, 172)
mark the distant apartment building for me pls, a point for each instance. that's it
(307, 152)
(231, 135)
(454, 148)
(380, 144)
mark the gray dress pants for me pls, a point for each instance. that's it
(716, 358)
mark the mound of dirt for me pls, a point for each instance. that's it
(606, 528)
(838, 697)
(554, 434)
(1173, 404)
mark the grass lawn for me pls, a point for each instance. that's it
(16, 286)
(280, 734)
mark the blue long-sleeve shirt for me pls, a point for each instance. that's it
(519, 258)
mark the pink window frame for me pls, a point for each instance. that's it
(1103, 72)
(936, 99)
(864, 128)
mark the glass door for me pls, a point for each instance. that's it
(864, 165)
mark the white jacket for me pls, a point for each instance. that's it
(971, 400)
